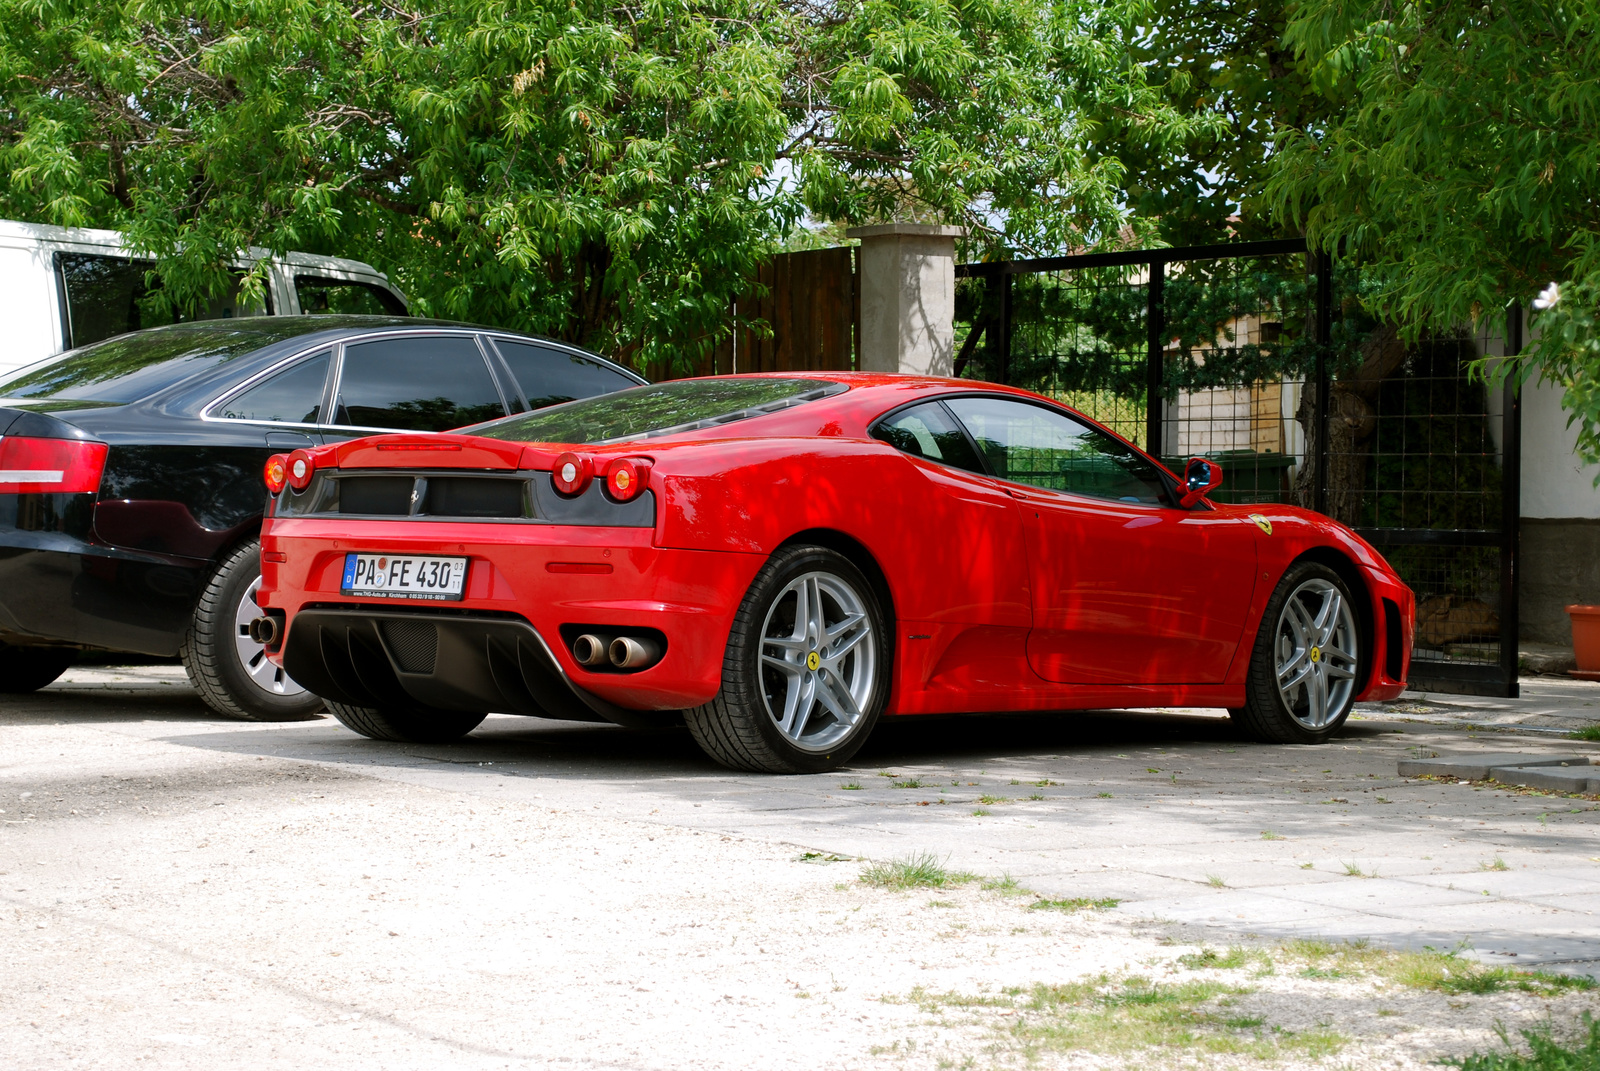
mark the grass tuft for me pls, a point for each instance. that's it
(1215, 881)
(1544, 1053)
(1074, 903)
(1498, 864)
(920, 871)
(1267, 834)
(912, 782)
(851, 786)
(1588, 732)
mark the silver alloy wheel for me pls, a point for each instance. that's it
(819, 661)
(252, 656)
(1316, 654)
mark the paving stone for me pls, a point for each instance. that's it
(1573, 778)
(1469, 767)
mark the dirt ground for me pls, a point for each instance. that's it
(180, 891)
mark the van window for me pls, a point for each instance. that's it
(106, 296)
(319, 296)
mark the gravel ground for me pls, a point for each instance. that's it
(179, 906)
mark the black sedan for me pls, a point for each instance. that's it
(130, 475)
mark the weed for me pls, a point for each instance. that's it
(1037, 796)
(1442, 972)
(1005, 885)
(922, 870)
(1211, 959)
(1045, 782)
(821, 858)
(1215, 881)
(1267, 834)
(851, 786)
(1151, 769)
(1103, 795)
(1588, 732)
(993, 799)
(1307, 866)
(887, 773)
(1544, 1052)
(1498, 864)
(1074, 903)
(1353, 869)
(911, 782)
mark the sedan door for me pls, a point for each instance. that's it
(1127, 588)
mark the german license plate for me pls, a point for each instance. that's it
(404, 576)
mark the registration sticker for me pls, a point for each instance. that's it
(404, 576)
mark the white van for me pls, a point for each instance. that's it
(63, 287)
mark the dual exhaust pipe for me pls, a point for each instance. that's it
(623, 652)
(265, 631)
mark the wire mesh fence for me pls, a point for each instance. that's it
(1261, 357)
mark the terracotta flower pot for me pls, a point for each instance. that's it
(1586, 640)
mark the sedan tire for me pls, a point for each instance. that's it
(27, 669)
(406, 726)
(229, 670)
(806, 672)
(1308, 662)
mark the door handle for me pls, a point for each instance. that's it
(289, 440)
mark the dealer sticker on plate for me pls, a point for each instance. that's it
(404, 576)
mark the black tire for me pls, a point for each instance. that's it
(406, 726)
(736, 729)
(27, 669)
(1267, 715)
(211, 656)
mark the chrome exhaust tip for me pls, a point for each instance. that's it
(264, 630)
(628, 652)
(589, 650)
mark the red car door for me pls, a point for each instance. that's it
(1127, 589)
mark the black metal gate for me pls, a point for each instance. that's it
(1260, 355)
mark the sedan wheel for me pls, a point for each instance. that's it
(229, 669)
(1306, 668)
(805, 676)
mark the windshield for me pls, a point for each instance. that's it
(138, 364)
(662, 409)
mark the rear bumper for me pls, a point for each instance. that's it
(501, 648)
(58, 589)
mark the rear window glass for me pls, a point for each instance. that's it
(130, 367)
(660, 409)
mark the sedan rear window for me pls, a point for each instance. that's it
(134, 366)
(661, 409)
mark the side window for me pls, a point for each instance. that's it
(550, 376)
(293, 396)
(927, 431)
(103, 296)
(416, 383)
(320, 296)
(107, 296)
(1034, 445)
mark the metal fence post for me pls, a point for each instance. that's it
(1323, 335)
(1510, 506)
(1002, 336)
(1155, 358)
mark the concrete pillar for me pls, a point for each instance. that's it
(908, 297)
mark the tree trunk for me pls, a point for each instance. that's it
(1351, 423)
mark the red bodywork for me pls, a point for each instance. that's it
(1003, 597)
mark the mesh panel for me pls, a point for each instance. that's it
(414, 645)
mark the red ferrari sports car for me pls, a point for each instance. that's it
(784, 559)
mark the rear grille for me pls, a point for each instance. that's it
(382, 496)
(464, 496)
(414, 645)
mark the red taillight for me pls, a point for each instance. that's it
(50, 466)
(627, 477)
(302, 466)
(277, 472)
(572, 473)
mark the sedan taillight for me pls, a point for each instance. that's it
(50, 466)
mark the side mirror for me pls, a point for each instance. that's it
(1200, 478)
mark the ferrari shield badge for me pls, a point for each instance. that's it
(1262, 523)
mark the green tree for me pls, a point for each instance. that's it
(1462, 172)
(605, 173)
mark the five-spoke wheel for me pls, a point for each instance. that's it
(1306, 668)
(806, 671)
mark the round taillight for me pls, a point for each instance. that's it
(572, 473)
(277, 472)
(301, 467)
(627, 477)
